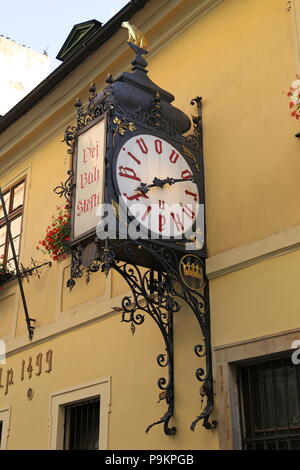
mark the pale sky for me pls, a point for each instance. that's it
(44, 25)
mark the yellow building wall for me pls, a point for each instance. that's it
(104, 349)
(240, 58)
(260, 300)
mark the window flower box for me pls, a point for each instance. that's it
(5, 277)
(6, 273)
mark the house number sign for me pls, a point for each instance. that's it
(30, 367)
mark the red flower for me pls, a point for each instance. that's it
(56, 241)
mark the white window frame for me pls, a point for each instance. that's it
(5, 418)
(58, 401)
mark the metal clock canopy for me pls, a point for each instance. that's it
(132, 105)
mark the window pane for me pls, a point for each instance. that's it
(270, 405)
(293, 396)
(14, 198)
(280, 403)
(2, 235)
(18, 196)
(6, 200)
(82, 425)
(16, 244)
(15, 227)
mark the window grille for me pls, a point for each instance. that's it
(82, 425)
(270, 405)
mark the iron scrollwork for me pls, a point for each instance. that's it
(65, 189)
(157, 294)
(151, 295)
(196, 139)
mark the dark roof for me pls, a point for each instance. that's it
(74, 60)
(80, 33)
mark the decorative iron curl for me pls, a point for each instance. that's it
(206, 390)
(196, 139)
(76, 270)
(162, 383)
(69, 138)
(162, 360)
(132, 312)
(200, 374)
(66, 189)
(200, 350)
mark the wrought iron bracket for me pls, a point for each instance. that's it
(34, 268)
(160, 294)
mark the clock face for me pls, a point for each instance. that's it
(145, 167)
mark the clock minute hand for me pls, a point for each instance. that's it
(172, 180)
(144, 187)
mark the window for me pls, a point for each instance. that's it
(270, 405)
(14, 201)
(4, 427)
(79, 417)
(81, 427)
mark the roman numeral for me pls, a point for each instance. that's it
(134, 158)
(135, 197)
(177, 221)
(158, 146)
(194, 195)
(186, 174)
(173, 157)
(128, 173)
(141, 143)
(188, 211)
(147, 212)
(161, 222)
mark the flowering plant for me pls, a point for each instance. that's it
(6, 272)
(4, 268)
(57, 239)
(294, 95)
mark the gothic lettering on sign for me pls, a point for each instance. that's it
(89, 178)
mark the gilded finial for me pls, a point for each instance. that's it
(135, 35)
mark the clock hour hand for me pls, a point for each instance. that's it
(144, 187)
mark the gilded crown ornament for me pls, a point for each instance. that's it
(192, 270)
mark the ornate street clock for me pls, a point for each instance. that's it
(137, 193)
(131, 154)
